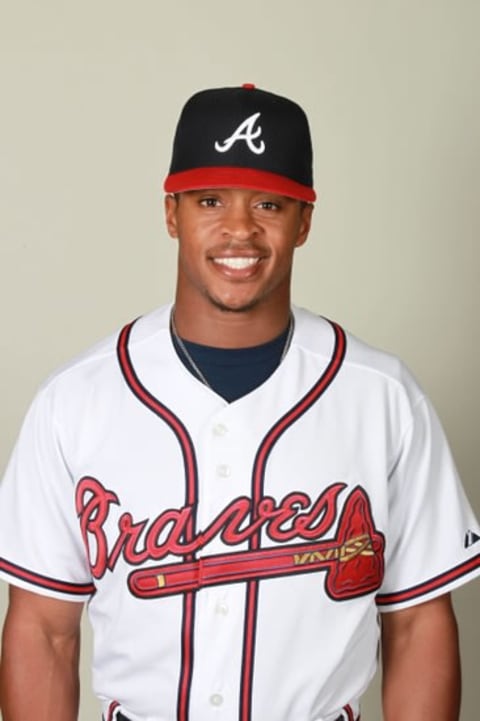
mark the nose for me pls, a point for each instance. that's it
(239, 222)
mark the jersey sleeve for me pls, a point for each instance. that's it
(41, 547)
(433, 540)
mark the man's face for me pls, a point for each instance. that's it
(235, 246)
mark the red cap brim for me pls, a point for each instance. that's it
(231, 177)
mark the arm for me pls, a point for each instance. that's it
(421, 664)
(40, 652)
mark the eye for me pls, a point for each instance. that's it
(268, 205)
(209, 202)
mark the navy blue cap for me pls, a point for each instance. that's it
(242, 137)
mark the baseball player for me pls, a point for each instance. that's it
(248, 498)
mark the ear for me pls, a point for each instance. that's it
(306, 212)
(171, 205)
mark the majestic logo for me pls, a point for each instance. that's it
(353, 559)
(246, 132)
(471, 538)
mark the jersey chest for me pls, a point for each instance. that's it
(192, 477)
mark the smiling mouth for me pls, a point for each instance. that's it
(237, 263)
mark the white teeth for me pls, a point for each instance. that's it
(236, 263)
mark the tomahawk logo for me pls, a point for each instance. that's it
(246, 132)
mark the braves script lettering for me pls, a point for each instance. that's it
(295, 517)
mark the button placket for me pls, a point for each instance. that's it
(216, 699)
(220, 429)
(220, 432)
(223, 470)
(221, 608)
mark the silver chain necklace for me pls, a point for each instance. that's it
(198, 372)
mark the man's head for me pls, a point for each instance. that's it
(239, 201)
(242, 138)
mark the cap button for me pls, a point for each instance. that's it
(248, 86)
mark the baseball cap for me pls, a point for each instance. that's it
(242, 137)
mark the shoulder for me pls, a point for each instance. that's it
(362, 364)
(99, 361)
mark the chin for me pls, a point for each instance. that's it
(234, 307)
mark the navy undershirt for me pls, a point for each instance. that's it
(234, 372)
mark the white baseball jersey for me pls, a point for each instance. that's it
(235, 556)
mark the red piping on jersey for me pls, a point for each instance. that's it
(191, 477)
(258, 476)
(111, 710)
(385, 599)
(165, 413)
(73, 589)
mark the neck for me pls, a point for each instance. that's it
(230, 329)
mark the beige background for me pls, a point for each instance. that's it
(90, 93)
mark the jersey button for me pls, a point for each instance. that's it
(220, 429)
(216, 699)
(223, 470)
(221, 608)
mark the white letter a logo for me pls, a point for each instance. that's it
(245, 132)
